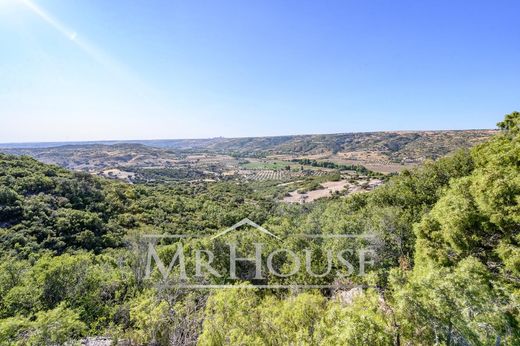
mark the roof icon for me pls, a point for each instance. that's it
(242, 222)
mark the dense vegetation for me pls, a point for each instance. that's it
(328, 164)
(144, 175)
(446, 237)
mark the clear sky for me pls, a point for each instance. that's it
(146, 69)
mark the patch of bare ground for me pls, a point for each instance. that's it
(289, 183)
(331, 187)
(387, 168)
(328, 189)
(117, 174)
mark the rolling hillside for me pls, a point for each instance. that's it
(382, 148)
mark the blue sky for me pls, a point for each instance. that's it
(97, 69)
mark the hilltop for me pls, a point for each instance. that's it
(378, 151)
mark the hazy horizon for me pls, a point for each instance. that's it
(138, 140)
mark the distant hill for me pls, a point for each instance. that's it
(374, 149)
(92, 157)
(414, 145)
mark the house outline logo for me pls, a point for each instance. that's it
(245, 221)
(152, 255)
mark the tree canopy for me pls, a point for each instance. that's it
(446, 237)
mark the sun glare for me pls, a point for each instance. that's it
(93, 52)
(48, 19)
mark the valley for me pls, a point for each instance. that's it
(313, 164)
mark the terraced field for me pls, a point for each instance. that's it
(264, 174)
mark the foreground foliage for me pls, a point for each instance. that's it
(447, 244)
